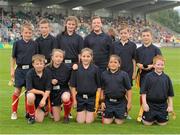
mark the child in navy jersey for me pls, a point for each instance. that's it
(157, 94)
(85, 83)
(115, 85)
(22, 53)
(60, 93)
(38, 81)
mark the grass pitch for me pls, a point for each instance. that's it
(20, 126)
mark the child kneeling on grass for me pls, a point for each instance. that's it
(157, 93)
(115, 85)
(38, 81)
(85, 83)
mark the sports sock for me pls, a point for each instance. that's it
(15, 106)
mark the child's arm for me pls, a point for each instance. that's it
(134, 69)
(74, 92)
(144, 103)
(36, 91)
(129, 99)
(43, 100)
(13, 62)
(170, 104)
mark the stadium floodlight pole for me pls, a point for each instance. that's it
(18, 97)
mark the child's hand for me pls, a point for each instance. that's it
(54, 81)
(145, 107)
(169, 109)
(75, 66)
(42, 93)
(140, 66)
(150, 67)
(42, 103)
(103, 106)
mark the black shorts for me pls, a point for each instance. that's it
(55, 97)
(84, 103)
(115, 108)
(38, 100)
(20, 77)
(157, 112)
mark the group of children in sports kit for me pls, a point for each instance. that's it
(89, 74)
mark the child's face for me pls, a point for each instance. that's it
(124, 34)
(159, 66)
(113, 64)
(57, 58)
(38, 65)
(71, 26)
(86, 58)
(96, 24)
(44, 29)
(147, 38)
(26, 34)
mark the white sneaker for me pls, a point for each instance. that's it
(14, 116)
(70, 116)
(128, 117)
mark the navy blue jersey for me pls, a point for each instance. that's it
(46, 45)
(127, 53)
(71, 44)
(62, 74)
(23, 51)
(43, 83)
(157, 87)
(102, 47)
(145, 55)
(115, 85)
(87, 80)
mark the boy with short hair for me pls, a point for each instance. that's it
(146, 53)
(126, 50)
(22, 53)
(46, 42)
(38, 82)
(157, 94)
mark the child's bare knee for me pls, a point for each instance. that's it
(30, 98)
(65, 96)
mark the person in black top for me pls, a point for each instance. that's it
(70, 42)
(126, 50)
(115, 85)
(157, 94)
(145, 54)
(60, 92)
(85, 83)
(38, 82)
(100, 43)
(144, 60)
(22, 53)
(46, 42)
